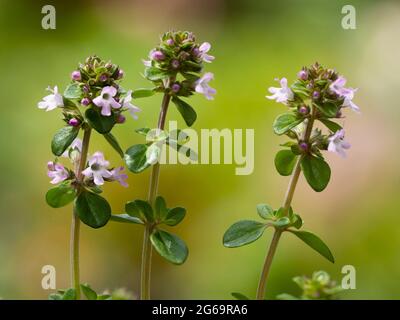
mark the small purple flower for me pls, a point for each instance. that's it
(119, 176)
(175, 87)
(51, 101)
(170, 42)
(157, 55)
(97, 169)
(85, 101)
(316, 95)
(347, 93)
(76, 75)
(175, 64)
(282, 94)
(74, 122)
(103, 78)
(337, 143)
(120, 74)
(126, 103)
(56, 172)
(203, 49)
(203, 87)
(121, 118)
(303, 146)
(304, 110)
(106, 100)
(303, 75)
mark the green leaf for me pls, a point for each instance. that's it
(315, 243)
(55, 296)
(114, 143)
(169, 246)
(143, 131)
(242, 233)
(135, 158)
(239, 296)
(187, 112)
(126, 218)
(175, 216)
(282, 222)
(155, 74)
(161, 208)
(69, 294)
(299, 89)
(316, 171)
(92, 209)
(89, 293)
(141, 209)
(333, 126)
(73, 91)
(101, 124)
(143, 93)
(60, 196)
(328, 108)
(63, 139)
(265, 211)
(285, 122)
(286, 296)
(285, 161)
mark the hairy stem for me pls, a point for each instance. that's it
(286, 205)
(147, 248)
(75, 224)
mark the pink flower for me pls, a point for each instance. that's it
(347, 93)
(51, 101)
(97, 169)
(281, 95)
(203, 49)
(126, 103)
(119, 176)
(203, 87)
(56, 172)
(337, 143)
(106, 100)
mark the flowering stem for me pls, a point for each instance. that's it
(286, 205)
(75, 225)
(147, 248)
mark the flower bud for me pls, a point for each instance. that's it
(121, 118)
(85, 101)
(120, 74)
(304, 110)
(76, 75)
(175, 64)
(316, 95)
(303, 146)
(86, 88)
(303, 75)
(73, 122)
(175, 87)
(157, 55)
(170, 42)
(103, 78)
(50, 165)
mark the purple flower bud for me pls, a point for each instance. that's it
(76, 75)
(303, 75)
(121, 118)
(316, 95)
(157, 55)
(74, 122)
(85, 101)
(120, 74)
(50, 165)
(304, 110)
(303, 146)
(175, 87)
(85, 88)
(103, 78)
(175, 64)
(108, 65)
(196, 51)
(170, 42)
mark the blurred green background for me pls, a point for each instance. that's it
(254, 42)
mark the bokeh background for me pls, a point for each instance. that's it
(254, 42)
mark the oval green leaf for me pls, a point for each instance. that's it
(114, 143)
(142, 93)
(175, 216)
(187, 112)
(125, 218)
(63, 139)
(285, 161)
(265, 211)
(73, 91)
(60, 196)
(92, 209)
(169, 246)
(316, 171)
(242, 233)
(285, 122)
(135, 158)
(101, 124)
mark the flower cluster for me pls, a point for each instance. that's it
(95, 86)
(178, 53)
(317, 94)
(97, 169)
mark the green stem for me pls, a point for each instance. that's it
(147, 248)
(286, 205)
(75, 224)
